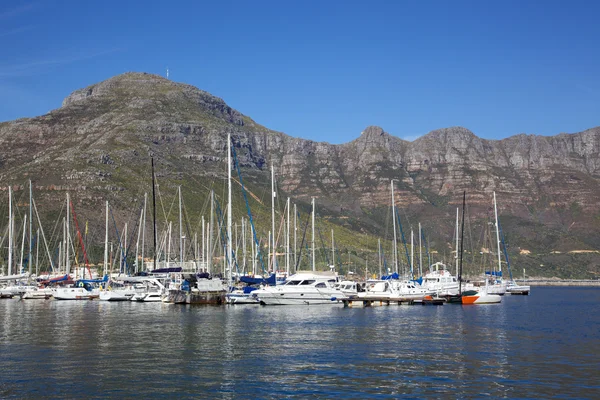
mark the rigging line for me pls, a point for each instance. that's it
(403, 239)
(85, 257)
(43, 235)
(224, 237)
(323, 246)
(121, 249)
(302, 242)
(249, 212)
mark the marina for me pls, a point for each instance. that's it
(527, 346)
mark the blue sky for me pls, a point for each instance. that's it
(323, 70)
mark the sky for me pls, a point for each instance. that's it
(323, 70)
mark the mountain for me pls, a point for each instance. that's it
(98, 146)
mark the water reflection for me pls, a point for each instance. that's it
(537, 346)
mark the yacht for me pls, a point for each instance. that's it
(151, 291)
(74, 293)
(242, 296)
(481, 296)
(377, 289)
(302, 288)
(440, 280)
(514, 288)
(409, 290)
(36, 293)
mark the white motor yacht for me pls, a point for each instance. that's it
(514, 288)
(440, 280)
(302, 288)
(152, 291)
(409, 290)
(74, 293)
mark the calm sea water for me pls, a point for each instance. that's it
(544, 345)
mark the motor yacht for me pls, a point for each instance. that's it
(302, 288)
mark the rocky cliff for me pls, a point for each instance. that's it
(98, 146)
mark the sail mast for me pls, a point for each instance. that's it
(106, 242)
(229, 242)
(10, 230)
(67, 261)
(497, 233)
(456, 241)
(462, 232)
(420, 253)
(180, 232)
(30, 259)
(287, 240)
(313, 234)
(273, 217)
(394, 227)
(154, 212)
(144, 231)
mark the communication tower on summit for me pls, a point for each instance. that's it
(167, 72)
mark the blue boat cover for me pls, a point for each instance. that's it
(494, 273)
(257, 281)
(392, 276)
(166, 270)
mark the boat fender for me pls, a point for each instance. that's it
(333, 299)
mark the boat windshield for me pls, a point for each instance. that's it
(293, 282)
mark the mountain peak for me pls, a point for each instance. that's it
(373, 130)
(125, 82)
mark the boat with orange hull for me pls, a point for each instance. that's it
(481, 297)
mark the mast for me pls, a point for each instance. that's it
(244, 268)
(379, 255)
(30, 258)
(154, 212)
(203, 261)
(10, 230)
(313, 234)
(137, 243)
(287, 240)
(456, 258)
(462, 232)
(497, 233)
(67, 237)
(106, 242)
(23, 244)
(124, 251)
(295, 230)
(229, 243)
(180, 232)
(210, 232)
(412, 253)
(273, 217)
(37, 253)
(394, 227)
(420, 253)
(144, 231)
(170, 230)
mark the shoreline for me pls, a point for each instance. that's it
(562, 282)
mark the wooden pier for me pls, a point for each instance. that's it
(384, 301)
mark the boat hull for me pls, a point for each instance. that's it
(481, 298)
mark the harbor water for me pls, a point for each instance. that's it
(544, 345)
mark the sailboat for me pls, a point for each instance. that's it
(482, 295)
